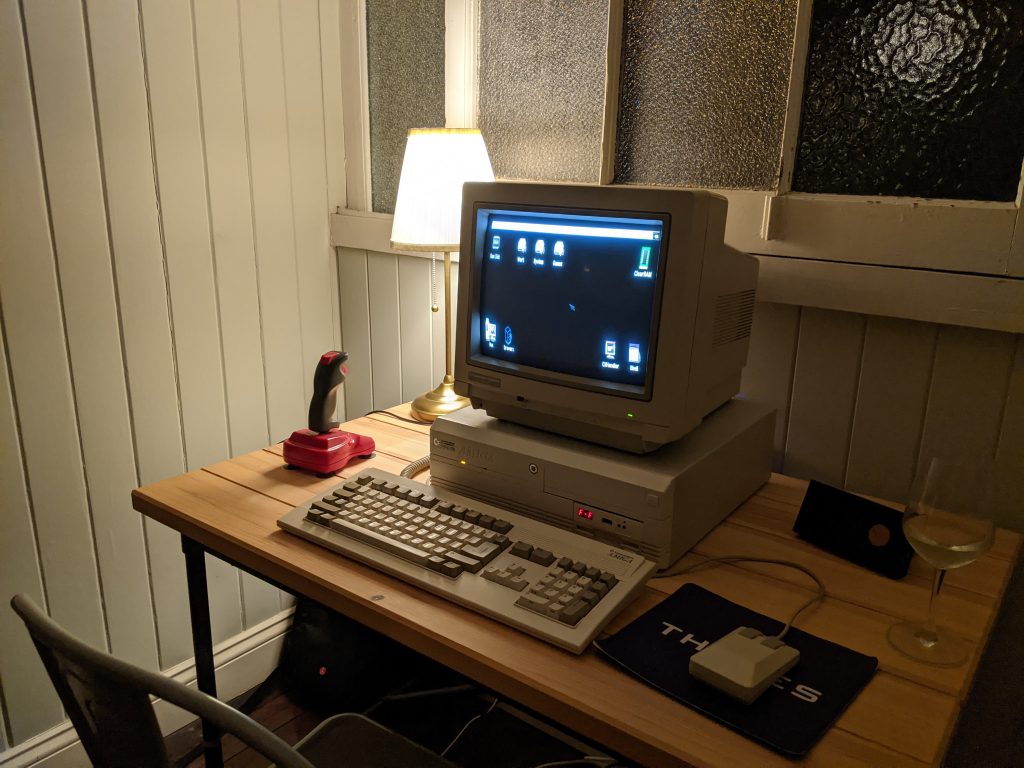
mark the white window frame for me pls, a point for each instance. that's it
(945, 261)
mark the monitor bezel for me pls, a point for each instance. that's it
(474, 356)
(501, 390)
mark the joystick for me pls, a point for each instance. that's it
(323, 448)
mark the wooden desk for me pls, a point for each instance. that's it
(903, 717)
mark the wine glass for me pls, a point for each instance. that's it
(948, 522)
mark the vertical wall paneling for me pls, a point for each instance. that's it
(263, 70)
(334, 144)
(416, 322)
(31, 705)
(385, 324)
(1010, 451)
(768, 375)
(968, 393)
(64, 106)
(353, 287)
(181, 183)
(40, 370)
(356, 101)
(824, 391)
(218, 53)
(123, 116)
(300, 35)
(894, 376)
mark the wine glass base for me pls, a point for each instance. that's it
(935, 647)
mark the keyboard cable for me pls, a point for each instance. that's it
(414, 468)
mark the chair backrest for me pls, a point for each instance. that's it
(108, 701)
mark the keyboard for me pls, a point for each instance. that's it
(554, 584)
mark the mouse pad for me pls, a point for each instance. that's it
(789, 717)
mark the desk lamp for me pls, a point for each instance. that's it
(427, 211)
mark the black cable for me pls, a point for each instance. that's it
(400, 418)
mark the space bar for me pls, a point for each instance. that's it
(381, 542)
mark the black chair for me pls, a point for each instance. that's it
(108, 701)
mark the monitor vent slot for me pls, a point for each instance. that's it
(734, 314)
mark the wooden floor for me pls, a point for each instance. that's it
(277, 712)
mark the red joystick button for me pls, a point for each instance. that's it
(327, 358)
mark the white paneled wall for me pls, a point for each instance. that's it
(859, 398)
(166, 286)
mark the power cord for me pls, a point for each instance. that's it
(400, 418)
(469, 722)
(586, 760)
(729, 559)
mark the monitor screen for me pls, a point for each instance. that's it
(570, 293)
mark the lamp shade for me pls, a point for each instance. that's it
(438, 161)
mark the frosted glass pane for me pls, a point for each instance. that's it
(541, 84)
(405, 61)
(922, 98)
(703, 92)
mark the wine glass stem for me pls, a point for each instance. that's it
(928, 634)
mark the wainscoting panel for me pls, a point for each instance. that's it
(824, 394)
(166, 288)
(895, 374)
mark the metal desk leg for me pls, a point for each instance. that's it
(202, 641)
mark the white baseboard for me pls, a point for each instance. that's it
(242, 663)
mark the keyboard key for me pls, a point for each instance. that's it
(472, 516)
(470, 564)
(542, 557)
(574, 612)
(451, 569)
(579, 567)
(364, 479)
(325, 506)
(522, 549)
(592, 573)
(485, 521)
(533, 602)
(502, 526)
(458, 512)
(428, 501)
(609, 579)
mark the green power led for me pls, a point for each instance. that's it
(629, 415)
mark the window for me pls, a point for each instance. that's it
(853, 140)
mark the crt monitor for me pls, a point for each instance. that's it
(615, 315)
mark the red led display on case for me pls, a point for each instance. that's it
(586, 514)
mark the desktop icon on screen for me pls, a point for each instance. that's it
(559, 249)
(539, 248)
(609, 349)
(634, 353)
(508, 336)
(645, 257)
(521, 245)
(496, 242)
(490, 331)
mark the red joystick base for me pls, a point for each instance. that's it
(325, 453)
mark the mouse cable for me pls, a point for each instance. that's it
(729, 559)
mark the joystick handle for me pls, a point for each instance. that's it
(329, 375)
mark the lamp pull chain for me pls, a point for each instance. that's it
(433, 283)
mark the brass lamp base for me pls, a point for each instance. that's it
(438, 401)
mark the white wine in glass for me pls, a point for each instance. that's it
(948, 522)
